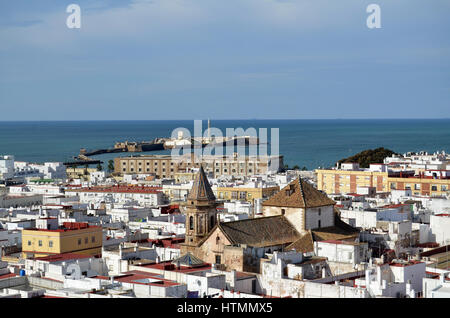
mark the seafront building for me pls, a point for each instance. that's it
(166, 166)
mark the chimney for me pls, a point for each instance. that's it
(379, 275)
(442, 278)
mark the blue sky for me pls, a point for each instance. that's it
(197, 59)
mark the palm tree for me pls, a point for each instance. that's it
(110, 165)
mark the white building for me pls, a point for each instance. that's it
(58, 267)
(437, 287)
(6, 167)
(10, 238)
(342, 251)
(440, 228)
(141, 195)
(398, 279)
(127, 214)
(369, 218)
(35, 188)
(48, 170)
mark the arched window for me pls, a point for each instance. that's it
(191, 223)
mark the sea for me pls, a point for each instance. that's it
(306, 143)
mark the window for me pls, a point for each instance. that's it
(86, 240)
(393, 186)
(443, 188)
(40, 243)
(217, 240)
(417, 186)
(211, 221)
(191, 223)
(283, 211)
(29, 243)
(79, 241)
(218, 259)
(50, 243)
(320, 211)
(319, 224)
(93, 239)
(434, 187)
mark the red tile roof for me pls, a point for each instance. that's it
(412, 262)
(4, 276)
(69, 226)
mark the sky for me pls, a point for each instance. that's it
(233, 59)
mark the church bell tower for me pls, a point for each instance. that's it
(201, 213)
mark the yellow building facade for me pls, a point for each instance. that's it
(80, 173)
(347, 181)
(42, 242)
(343, 181)
(244, 194)
(421, 186)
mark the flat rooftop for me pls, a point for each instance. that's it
(168, 266)
(62, 257)
(142, 278)
(119, 189)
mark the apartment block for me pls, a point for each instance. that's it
(72, 237)
(347, 181)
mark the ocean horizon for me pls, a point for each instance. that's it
(307, 143)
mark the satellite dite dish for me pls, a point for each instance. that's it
(73, 271)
